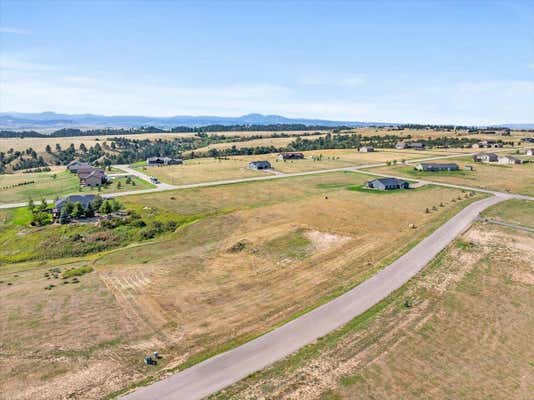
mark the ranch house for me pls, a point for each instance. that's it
(437, 167)
(161, 161)
(387, 184)
(259, 165)
(290, 156)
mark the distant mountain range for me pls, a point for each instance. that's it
(51, 120)
(48, 121)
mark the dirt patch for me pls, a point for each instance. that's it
(322, 241)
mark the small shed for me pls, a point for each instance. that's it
(437, 167)
(366, 149)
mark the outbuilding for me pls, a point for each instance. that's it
(290, 156)
(437, 167)
(161, 161)
(366, 149)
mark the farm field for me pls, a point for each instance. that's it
(210, 169)
(513, 178)
(462, 329)
(57, 182)
(251, 256)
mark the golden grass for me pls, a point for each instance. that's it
(513, 178)
(225, 278)
(209, 169)
(465, 334)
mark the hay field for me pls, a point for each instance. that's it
(460, 330)
(209, 169)
(513, 178)
(257, 255)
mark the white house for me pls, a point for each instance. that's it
(529, 152)
(366, 149)
(508, 160)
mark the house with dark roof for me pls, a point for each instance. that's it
(259, 165)
(75, 165)
(161, 161)
(485, 157)
(366, 149)
(410, 145)
(387, 184)
(437, 167)
(83, 199)
(527, 140)
(290, 156)
(90, 176)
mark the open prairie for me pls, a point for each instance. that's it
(462, 329)
(514, 178)
(210, 169)
(252, 256)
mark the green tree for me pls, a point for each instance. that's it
(105, 208)
(63, 216)
(68, 207)
(77, 210)
(115, 205)
(43, 206)
(119, 184)
(31, 205)
(89, 211)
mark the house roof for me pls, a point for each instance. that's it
(84, 199)
(84, 173)
(389, 181)
(260, 162)
(439, 165)
(508, 158)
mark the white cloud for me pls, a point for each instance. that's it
(16, 31)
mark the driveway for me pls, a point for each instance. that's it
(218, 372)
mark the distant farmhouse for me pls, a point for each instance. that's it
(437, 167)
(90, 176)
(487, 144)
(527, 140)
(161, 161)
(73, 166)
(387, 184)
(410, 145)
(529, 152)
(84, 200)
(259, 165)
(509, 160)
(366, 149)
(290, 156)
(485, 157)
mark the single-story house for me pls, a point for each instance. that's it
(509, 160)
(259, 165)
(437, 167)
(485, 157)
(387, 184)
(83, 199)
(366, 149)
(527, 140)
(90, 176)
(529, 152)
(410, 145)
(487, 144)
(75, 165)
(290, 156)
(160, 161)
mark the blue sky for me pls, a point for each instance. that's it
(437, 62)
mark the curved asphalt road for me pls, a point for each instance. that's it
(221, 371)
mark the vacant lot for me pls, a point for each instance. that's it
(252, 256)
(210, 169)
(38, 185)
(463, 329)
(513, 178)
(519, 212)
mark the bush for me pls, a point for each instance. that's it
(77, 272)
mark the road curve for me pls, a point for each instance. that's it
(222, 370)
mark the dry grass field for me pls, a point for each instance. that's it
(513, 178)
(462, 329)
(257, 255)
(39, 144)
(209, 169)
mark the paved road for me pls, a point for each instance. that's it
(221, 371)
(359, 168)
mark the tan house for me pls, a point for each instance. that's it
(90, 176)
(509, 160)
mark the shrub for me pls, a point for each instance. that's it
(77, 272)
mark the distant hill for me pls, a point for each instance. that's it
(51, 120)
